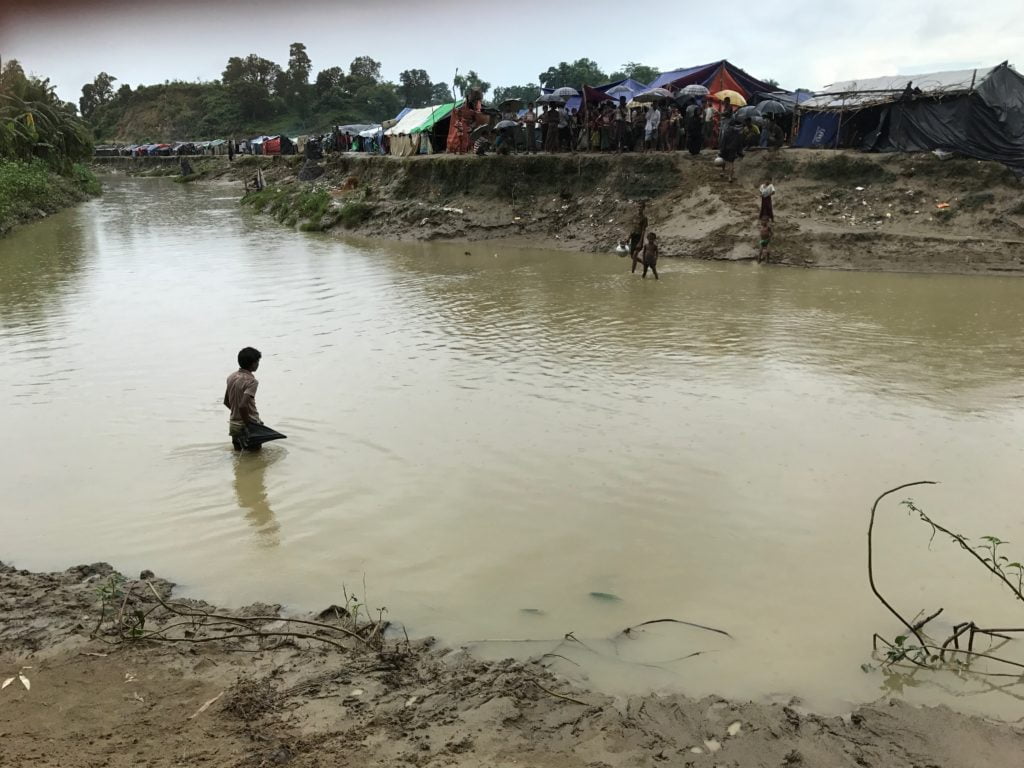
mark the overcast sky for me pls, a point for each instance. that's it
(799, 43)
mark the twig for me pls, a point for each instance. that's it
(871, 569)
(559, 656)
(558, 695)
(205, 706)
(627, 630)
(968, 548)
(920, 624)
(257, 619)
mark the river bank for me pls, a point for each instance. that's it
(216, 695)
(839, 210)
(30, 191)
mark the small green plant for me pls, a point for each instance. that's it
(976, 200)
(354, 213)
(843, 169)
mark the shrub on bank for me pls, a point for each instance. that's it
(30, 190)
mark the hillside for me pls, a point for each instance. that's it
(196, 111)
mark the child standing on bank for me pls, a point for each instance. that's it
(767, 193)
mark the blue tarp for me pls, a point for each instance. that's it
(818, 130)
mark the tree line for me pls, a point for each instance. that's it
(255, 94)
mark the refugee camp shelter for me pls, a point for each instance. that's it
(716, 76)
(599, 93)
(277, 145)
(419, 130)
(976, 112)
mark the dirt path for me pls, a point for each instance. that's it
(283, 701)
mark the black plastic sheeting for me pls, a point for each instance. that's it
(987, 124)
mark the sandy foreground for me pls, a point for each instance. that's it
(218, 696)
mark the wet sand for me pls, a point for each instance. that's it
(300, 702)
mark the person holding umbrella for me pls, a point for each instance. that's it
(709, 123)
(651, 128)
(551, 118)
(530, 121)
(694, 130)
(732, 148)
(621, 125)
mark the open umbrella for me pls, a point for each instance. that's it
(619, 90)
(772, 108)
(481, 130)
(735, 98)
(550, 98)
(695, 89)
(744, 112)
(654, 94)
(506, 124)
(511, 105)
(565, 92)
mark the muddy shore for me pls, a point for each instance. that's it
(838, 210)
(246, 688)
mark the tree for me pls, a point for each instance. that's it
(35, 123)
(295, 85)
(440, 93)
(464, 83)
(253, 81)
(96, 94)
(329, 78)
(639, 72)
(299, 65)
(772, 83)
(525, 93)
(363, 71)
(581, 71)
(415, 87)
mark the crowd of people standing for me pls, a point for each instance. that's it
(622, 127)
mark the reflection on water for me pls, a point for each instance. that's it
(483, 433)
(251, 489)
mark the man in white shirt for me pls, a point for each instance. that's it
(709, 122)
(651, 128)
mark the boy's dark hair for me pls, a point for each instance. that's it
(248, 357)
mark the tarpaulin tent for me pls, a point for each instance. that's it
(717, 76)
(976, 112)
(411, 135)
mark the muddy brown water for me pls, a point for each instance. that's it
(511, 445)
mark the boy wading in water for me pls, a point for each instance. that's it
(636, 234)
(651, 255)
(240, 397)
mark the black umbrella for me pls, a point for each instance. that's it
(256, 435)
(744, 112)
(772, 107)
(511, 105)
